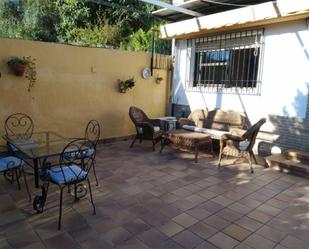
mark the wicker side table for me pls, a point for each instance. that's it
(188, 141)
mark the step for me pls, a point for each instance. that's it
(292, 161)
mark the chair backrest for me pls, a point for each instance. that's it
(75, 154)
(93, 131)
(223, 120)
(19, 125)
(251, 134)
(137, 115)
(198, 116)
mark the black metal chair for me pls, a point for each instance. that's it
(11, 167)
(19, 125)
(92, 133)
(73, 169)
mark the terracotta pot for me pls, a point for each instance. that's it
(18, 69)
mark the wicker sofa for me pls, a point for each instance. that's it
(217, 119)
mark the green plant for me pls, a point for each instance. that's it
(124, 85)
(24, 65)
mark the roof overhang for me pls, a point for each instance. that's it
(247, 17)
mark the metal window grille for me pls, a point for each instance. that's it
(227, 63)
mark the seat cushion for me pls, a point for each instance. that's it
(10, 162)
(66, 174)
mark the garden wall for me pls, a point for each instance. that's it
(77, 84)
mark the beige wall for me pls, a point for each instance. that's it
(76, 84)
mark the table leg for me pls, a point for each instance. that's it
(36, 172)
(196, 153)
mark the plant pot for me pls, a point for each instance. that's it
(18, 69)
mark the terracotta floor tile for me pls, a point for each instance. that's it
(203, 230)
(259, 216)
(60, 241)
(293, 242)
(136, 226)
(198, 213)
(240, 208)
(271, 233)
(248, 223)
(242, 246)
(216, 222)
(185, 220)
(256, 241)
(145, 199)
(187, 239)
(170, 228)
(269, 210)
(152, 238)
(229, 214)
(237, 232)
(223, 241)
(132, 244)
(206, 245)
(116, 236)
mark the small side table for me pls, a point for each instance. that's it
(169, 123)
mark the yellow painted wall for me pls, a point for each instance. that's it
(76, 84)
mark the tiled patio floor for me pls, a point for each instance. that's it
(152, 200)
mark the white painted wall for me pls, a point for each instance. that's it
(285, 77)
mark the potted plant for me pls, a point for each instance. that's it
(124, 85)
(24, 65)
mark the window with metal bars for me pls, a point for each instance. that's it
(228, 62)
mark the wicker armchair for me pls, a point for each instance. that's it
(240, 146)
(146, 128)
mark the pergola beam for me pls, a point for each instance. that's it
(173, 7)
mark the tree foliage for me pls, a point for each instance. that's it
(80, 22)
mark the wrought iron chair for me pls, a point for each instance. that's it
(19, 125)
(72, 170)
(146, 128)
(92, 133)
(240, 146)
(11, 167)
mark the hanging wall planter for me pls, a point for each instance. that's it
(24, 65)
(125, 85)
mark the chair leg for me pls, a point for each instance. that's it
(90, 192)
(134, 139)
(250, 162)
(162, 145)
(220, 158)
(196, 154)
(17, 179)
(221, 153)
(26, 184)
(95, 174)
(60, 208)
(153, 145)
(254, 158)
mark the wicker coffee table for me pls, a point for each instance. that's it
(188, 141)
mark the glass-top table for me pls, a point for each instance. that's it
(40, 145)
